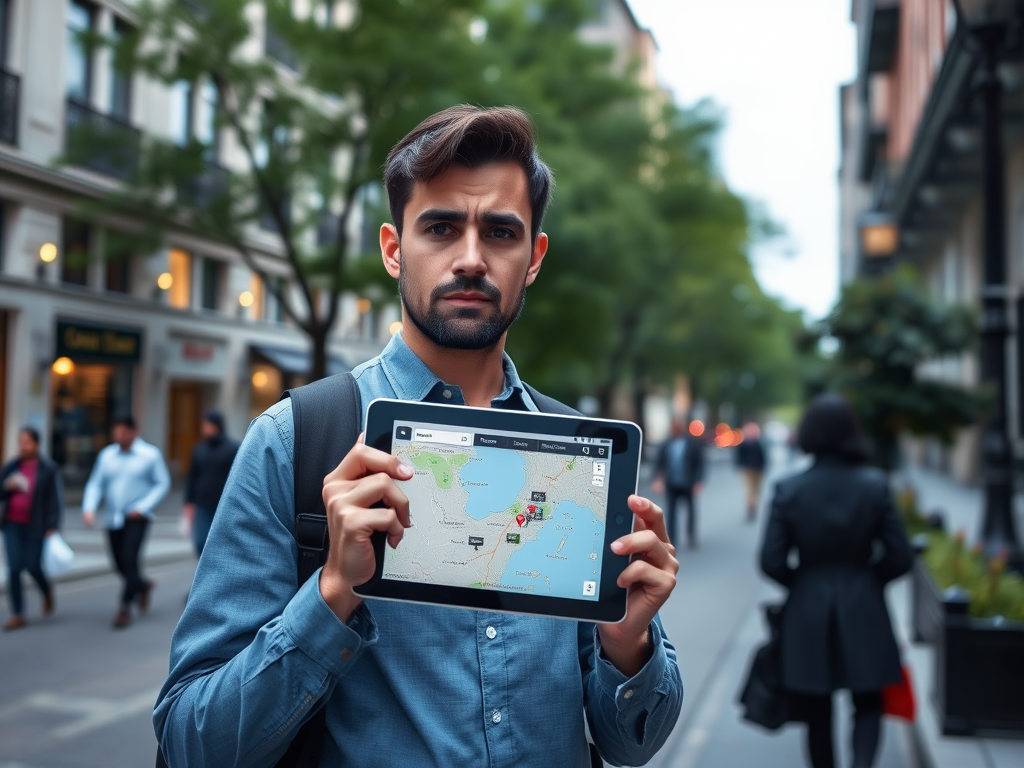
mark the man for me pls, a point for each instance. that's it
(31, 505)
(750, 458)
(207, 476)
(130, 478)
(407, 684)
(680, 472)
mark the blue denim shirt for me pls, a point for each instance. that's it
(404, 684)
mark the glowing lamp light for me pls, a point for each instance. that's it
(737, 436)
(696, 428)
(165, 281)
(363, 306)
(395, 327)
(260, 379)
(62, 366)
(48, 252)
(245, 298)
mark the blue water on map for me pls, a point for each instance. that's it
(504, 473)
(565, 577)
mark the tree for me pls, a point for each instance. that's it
(888, 332)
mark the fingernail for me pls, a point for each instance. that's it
(642, 502)
(404, 470)
(618, 546)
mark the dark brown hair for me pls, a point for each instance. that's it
(830, 428)
(469, 136)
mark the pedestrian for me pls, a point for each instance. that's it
(751, 460)
(31, 505)
(399, 683)
(207, 476)
(840, 520)
(130, 478)
(680, 476)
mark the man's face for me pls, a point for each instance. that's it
(27, 447)
(123, 435)
(209, 430)
(465, 256)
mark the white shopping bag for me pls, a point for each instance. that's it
(57, 555)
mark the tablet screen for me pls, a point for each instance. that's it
(501, 510)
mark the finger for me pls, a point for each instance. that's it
(360, 523)
(367, 492)
(650, 513)
(640, 573)
(363, 460)
(361, 439)
(646, 544)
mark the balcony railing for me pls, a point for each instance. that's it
(202, 190)
(100, 142)
(10, 97)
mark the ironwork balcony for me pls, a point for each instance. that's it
(100, 142)
(10, 97)
(203, 189)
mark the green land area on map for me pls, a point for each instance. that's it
(443, 467)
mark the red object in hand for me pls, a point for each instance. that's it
(898, 699)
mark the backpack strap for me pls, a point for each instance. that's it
(326, 419)
(547, 404)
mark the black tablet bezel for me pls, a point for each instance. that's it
(610, 607)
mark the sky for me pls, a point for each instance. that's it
(774, 68)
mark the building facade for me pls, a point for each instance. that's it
(88, 332)
(911, 181)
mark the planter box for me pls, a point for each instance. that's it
(979, 663)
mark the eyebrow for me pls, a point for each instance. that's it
(491, 218)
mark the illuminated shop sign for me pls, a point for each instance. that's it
(95, 342)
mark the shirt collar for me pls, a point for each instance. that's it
(411, 379)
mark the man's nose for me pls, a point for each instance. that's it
(470, 259)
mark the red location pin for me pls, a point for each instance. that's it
(532, 508)
(520, 519)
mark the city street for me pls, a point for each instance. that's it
(76, 693)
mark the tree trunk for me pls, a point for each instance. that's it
(318, 353)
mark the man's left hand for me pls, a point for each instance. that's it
(135, 515)
(649, 579)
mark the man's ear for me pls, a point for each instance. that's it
(391, 249)
(540, 248)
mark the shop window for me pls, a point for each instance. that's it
(117, 259)
(210, 288)
(180, 292)
(74, 268)
(266, 387)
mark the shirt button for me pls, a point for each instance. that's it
(491, 633)
(628, 693)
(496, 717)
(447, 394)
(346, 655)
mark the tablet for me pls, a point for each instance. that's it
(511, 511)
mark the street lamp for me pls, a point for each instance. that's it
(986, 22)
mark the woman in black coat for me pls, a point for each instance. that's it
(31, 502)
(839, 519)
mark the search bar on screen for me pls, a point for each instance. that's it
(443, 437)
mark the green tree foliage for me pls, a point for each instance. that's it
(648, 273)
(889, 331)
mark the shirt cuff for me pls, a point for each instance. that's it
(317, 631)
(633, 692)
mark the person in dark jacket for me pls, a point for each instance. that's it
(207, 476)
(751, 460)
(680, 472)
(840, 520)
(31, 499)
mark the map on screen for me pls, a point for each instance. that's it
(502, 510)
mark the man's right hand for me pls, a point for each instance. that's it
(364, 478)
(658, 485)
(189, 512)
(88, 517)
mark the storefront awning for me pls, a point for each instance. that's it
(291, 360)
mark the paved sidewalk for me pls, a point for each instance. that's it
(164, 543)
(961, 506)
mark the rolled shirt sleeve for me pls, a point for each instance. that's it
(630, 718)
(94, 486)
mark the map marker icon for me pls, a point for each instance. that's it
(520, 519)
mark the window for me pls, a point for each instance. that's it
(278, 312)
(257, 291)
(78, 64)
(120, 81)
(181, 112)
(4, 16)
(194, 116)
(270, 152)
(180, 266)
(210, 289)
(74, 267)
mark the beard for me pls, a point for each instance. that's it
(467, 328)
